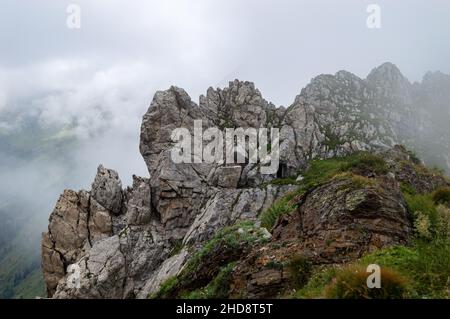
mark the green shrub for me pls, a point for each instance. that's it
(431, 270)
(407, 188)
(351, 283)
(422, 225)
(399, 257)
(426, 220)
(444, 221)
(300, 271)
(442, 196)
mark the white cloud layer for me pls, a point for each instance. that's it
(100, 80)
(102, 77)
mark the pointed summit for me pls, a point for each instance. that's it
(388, 78)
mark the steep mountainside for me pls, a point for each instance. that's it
(343, 189)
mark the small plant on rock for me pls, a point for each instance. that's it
(300, 270)
(351, 283)
(442, 196)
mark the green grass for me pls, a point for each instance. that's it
(300, 270)
(232, 237)
(321, 276)
(218, 288)
(243, 233)
(426, 217)
(407, 188)
(320, 172)
(425, 266)
(442, 196)
(177, 247)
(166, 287)
(282, 181)
(351, 283)
(280, 207)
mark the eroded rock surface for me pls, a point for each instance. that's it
(125, 243)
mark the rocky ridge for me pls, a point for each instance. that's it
(127, 242)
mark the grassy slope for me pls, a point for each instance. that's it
(421, 270)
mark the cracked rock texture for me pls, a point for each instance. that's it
(126, 242)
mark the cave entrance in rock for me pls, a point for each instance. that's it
(282, 170)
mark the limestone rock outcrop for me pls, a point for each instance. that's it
(124, 243)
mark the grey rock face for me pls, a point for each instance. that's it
(226, 206)
(100, 222)
(102, 272)
(107, 189)
(76, 223)
(139, 202)
(170, 267)
(228, 176)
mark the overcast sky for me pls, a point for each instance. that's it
(105, 74)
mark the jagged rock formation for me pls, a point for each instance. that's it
(127, 242)
(339, 220)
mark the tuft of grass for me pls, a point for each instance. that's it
(442, 196)
(166, 287)
(232, 236)
(218, 288)
(444, 222)
(283, 181)
(321, 171)
(357, 181)
(300, 270)
(407, 188)
(351, 283)
(366, 162)
(426, 219)
(177, 247)
(281, 207)
(320, 277)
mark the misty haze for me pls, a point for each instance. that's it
(106, 91)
